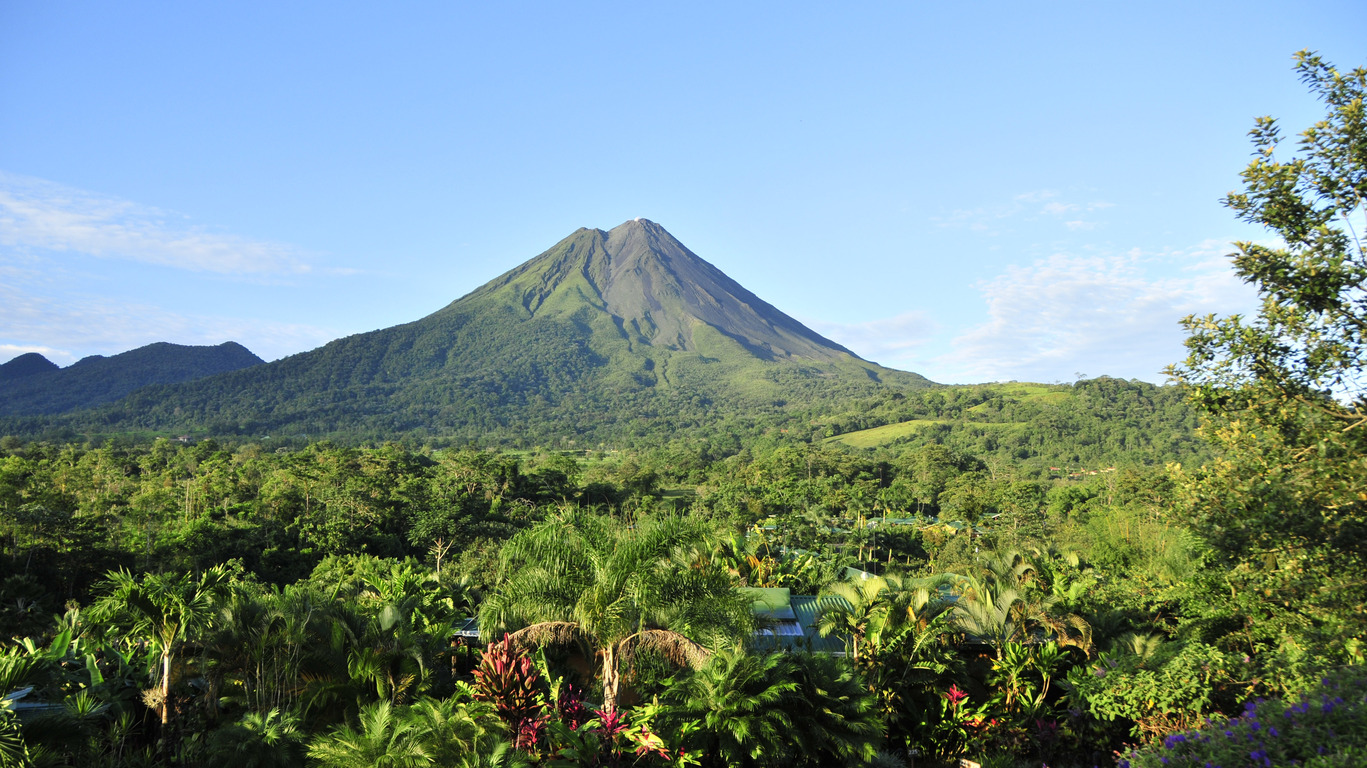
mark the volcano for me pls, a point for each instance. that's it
(609, 336)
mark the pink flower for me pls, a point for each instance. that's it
(955, 695)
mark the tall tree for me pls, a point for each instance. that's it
(164, 609)
(1282, 392)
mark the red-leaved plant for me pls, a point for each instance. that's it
(507, 679)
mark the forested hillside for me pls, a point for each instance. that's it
(1089, 423)
(29, 387)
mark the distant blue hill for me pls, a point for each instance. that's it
(25, 365)
(32, 385)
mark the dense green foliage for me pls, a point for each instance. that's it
(25, 365)
(1089, 424)
(29, 388)
(316, 628)
(1283, 393)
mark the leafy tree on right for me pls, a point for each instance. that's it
(1284, 398)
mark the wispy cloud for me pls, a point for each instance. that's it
(38, 214)
(11, 351)
(1031, 205)
(1115, 315)
(76, 326)
(888, 340)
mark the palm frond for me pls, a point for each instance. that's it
(547, 633)
(672, 646)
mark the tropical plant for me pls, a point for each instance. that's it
(732, 710)
(873, 611)
(580, 578)
(1324, 727)
(14, 751)
(166, 610)
(461, 731)
(508, 680)
(834, 713)
(1008, 605)
(270, 739)
(383, 738)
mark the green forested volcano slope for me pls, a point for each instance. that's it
(608, 336)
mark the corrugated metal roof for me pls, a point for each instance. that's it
(794, 620)
(806, 607)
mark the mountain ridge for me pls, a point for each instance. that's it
(605, 336)
(97, 379)
(25, 365)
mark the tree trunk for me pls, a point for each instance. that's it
(611, 681)
(165, 688)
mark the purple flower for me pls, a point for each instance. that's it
(1272, 732)
(1255, 725)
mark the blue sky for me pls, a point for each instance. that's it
(975, 192)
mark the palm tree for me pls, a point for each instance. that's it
(853, 609)
(774, 709)
(166, 610)
(993, 614)
(875, 610)
(269, 739)
(452, 732)
(460, 731)
(384, 738)
(577, 578)
(738, 701)
(1008, 604)
(834, 714)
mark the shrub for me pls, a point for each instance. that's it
(1324, 728)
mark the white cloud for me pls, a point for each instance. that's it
(888, 341)
(1059, 208)
(11, 351)
(1114, 315)
(37, 214)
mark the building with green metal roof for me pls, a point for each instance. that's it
(788, 621)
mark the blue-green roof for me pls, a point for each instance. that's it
(792, 620)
